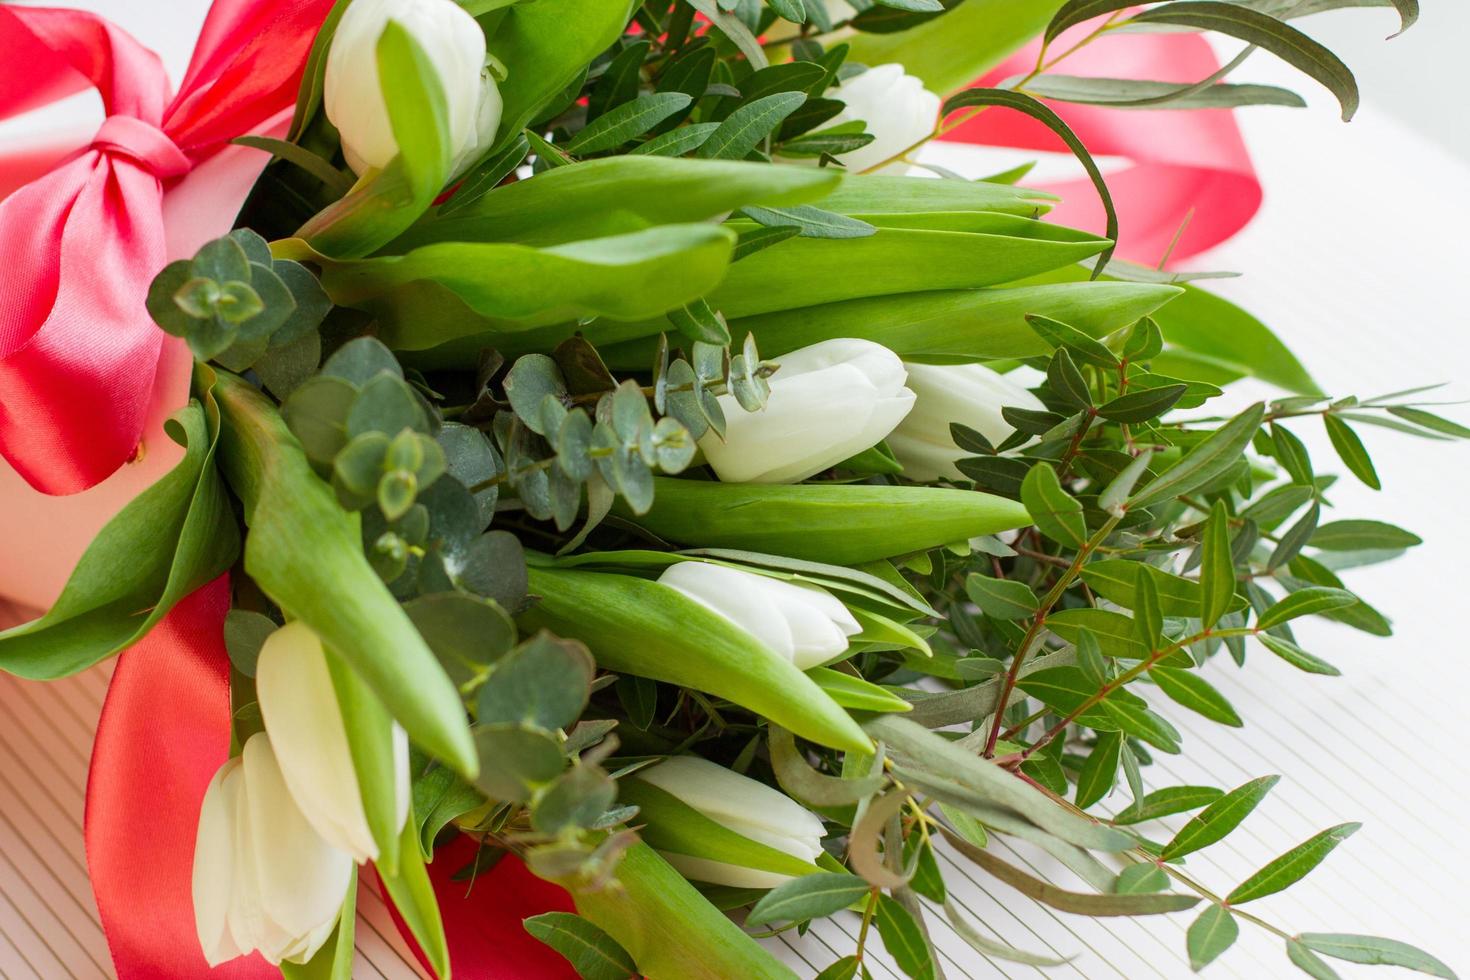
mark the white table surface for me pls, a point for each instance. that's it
(1356, 259)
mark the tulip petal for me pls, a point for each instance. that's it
(732, 594)
(302, 880)
(819, 623)
(970, 394)
(740, 803)
(299, 706)
(214, 865)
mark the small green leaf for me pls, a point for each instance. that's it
(1291, 453)
(1057, 513)
(592, 953)
(744, 128)
(1351, 451)
(1296, 656)
(1295, 538)
(811, 222)
(813, 896)
(1142, 406)
(1211, 934)
(1141, 879)
(1309, 962)
(1196, 694)
(1430, 421)
(545, 682)
(1217, 820)
(1306, 602)
(1100, 771)
(1001, 598)
(904, 939)
(1292, 866)
(1212, 457)
(1217, 568)
(1374, 951)
(1168, 801)
(627, 121)
(1059, 334)
(1148, 619)
(1363, 536)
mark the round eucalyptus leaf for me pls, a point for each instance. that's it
(361, 462)
(197, 297)
(544, 682)
(494, 566)
(630, 415)
(471, 459)
(404, 452)
(530, 379)
(386, 404)
(633, 479)
(566, 498)
(256, 248)
(673, 446)
(285, 368)
(454, 518)
(311, 302)
(237, 302)
(515, 760)
(162, 304)
(551, 414)
(317, 415)
(578, 799)
(396, 492)
(465, 632)
(359, 361)
(222, 260)
(574, 445)
(389, 556)
(276, 304)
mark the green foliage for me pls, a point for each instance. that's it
(471, 499)
(236, 304)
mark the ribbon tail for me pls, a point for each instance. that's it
(482, 919)
(165, 729)
(1186, 169)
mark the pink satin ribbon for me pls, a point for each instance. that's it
(1181, 164)
(78, 350)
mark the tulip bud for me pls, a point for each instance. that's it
(828, 401)
(263, 878)
(743, 805)
(898, 110)
(455, 46)
(970, 394)
(806, 624)
(301, 712)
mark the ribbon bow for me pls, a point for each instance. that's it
(78, 351)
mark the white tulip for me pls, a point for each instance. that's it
(898, 110)
(263, 878)
(828, 401)
(455, 45)
(749, 808)
(299, 706)
(970, 394)
(803, 623)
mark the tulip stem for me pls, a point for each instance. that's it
(1038, 622)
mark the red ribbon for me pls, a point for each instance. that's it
(1183, 165)
(78, 350)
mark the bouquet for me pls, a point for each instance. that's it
(622, 454)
